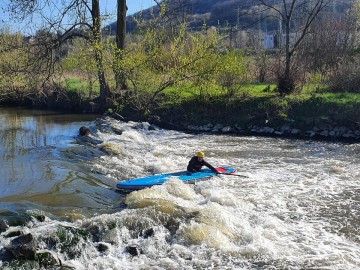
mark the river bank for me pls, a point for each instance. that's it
(314, 118)
(252, 122)
(323, 133)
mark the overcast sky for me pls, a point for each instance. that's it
(107, 6)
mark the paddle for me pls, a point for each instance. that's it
(240, 175)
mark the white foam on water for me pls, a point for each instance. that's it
(273, 214)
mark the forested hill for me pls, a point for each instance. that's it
(222, 13)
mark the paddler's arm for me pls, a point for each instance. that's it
(210, 167)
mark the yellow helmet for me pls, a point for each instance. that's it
(201, 154)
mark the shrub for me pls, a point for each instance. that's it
(347, 77)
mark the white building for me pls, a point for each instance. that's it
(269, 41)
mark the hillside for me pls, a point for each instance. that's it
(223, 13)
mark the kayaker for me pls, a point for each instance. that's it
(196, 163)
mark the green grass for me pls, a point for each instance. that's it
(257, 100)
(311, 88)
(76, 84)
(184, 92)
(309, 99)
(188, 91)
(331, 106)
(251, 102)
(258, 89)
(340, 98)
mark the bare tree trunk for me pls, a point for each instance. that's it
(120, 44)
(96, 29)
(285, 81)
(121, 24)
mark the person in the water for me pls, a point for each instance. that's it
(84, 136)
(84, 131)
(197, 162)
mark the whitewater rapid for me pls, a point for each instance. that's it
(298, 208)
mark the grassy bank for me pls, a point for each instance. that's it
(256, 104)
(250, 105)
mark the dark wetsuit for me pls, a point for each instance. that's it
(87, 140)
(195, 165)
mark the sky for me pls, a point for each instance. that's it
(107, 6)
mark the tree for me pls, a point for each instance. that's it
(97, 45)
(329, 39)
(346, 76)
(167, 57)
(120, 43)
(70, 19)
(296, 16)
(12, 59)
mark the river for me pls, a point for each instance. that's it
(298, 208)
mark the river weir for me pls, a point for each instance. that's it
(298, 208)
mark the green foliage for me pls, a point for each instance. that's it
(231, 68)
(81, 63)
(13, 60)
(82, 67)
(168, 58)
(283, 115)
(170, 66)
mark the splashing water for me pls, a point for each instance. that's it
(298, 208)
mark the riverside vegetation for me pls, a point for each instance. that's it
(195, 81)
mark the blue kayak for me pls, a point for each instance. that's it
(158, 179)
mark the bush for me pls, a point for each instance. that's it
(347, 77)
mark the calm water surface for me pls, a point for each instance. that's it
(298, 208)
